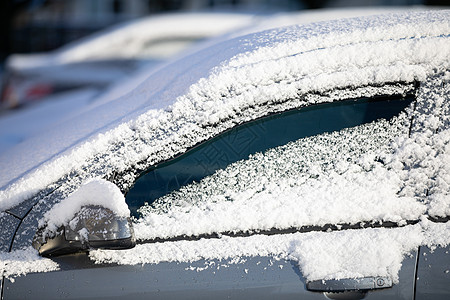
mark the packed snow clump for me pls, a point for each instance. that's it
(97, 192)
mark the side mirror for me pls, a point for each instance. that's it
(93, 227)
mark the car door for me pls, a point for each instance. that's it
(433, 262)
(208, 223)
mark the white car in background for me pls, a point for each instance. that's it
(297, 162)
(108, 55)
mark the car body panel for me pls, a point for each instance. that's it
(433, 273)
(250, 277)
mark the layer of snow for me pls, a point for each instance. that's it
(97, 192)
(180, 105)
(320, 255)
(326, 179)
(425, 170)
(333, 178)
(16, 128)
(24, 261)
(421, 161)
(319, 15)
(259, 23)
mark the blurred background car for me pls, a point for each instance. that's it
(109, 55)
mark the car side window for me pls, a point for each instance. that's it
(257, 136)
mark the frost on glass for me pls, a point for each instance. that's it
(192, 121)
(371, 173)
(328, 178)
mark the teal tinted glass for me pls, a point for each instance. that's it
(257, 136)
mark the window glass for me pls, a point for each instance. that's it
(258, 136)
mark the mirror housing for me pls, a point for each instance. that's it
(93, 227)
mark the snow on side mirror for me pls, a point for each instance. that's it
(93, 217)
(93, 227)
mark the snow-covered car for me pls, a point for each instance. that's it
(291, 163)
(111, 54)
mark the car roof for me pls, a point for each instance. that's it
(208, 86)
(259, 23)
(15, 126)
